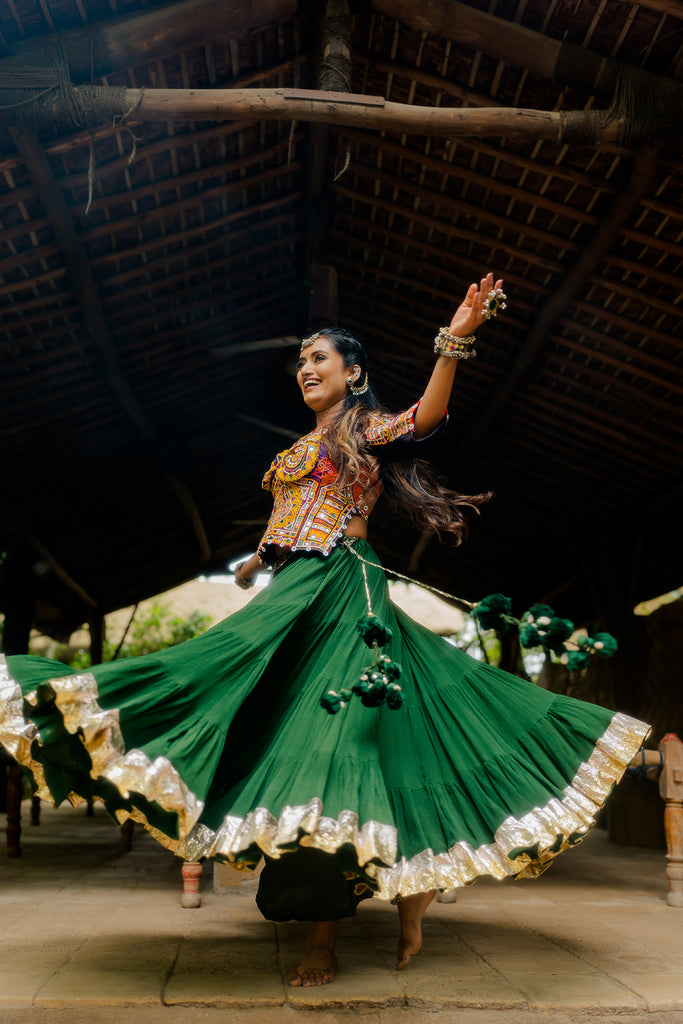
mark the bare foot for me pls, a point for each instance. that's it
(319, 962)
(411, 910)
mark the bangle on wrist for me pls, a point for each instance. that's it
(243, 584)
(447, 344)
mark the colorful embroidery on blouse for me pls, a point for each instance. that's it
(310, 511)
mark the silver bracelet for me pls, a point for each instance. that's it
(447, 344)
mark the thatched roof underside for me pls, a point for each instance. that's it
(132, 452)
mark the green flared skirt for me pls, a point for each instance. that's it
(221, 749)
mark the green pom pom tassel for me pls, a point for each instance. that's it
(373, 630)
(536, 623)
(333, 702)
(554, 634)
(395, 697)
(490, 610)
(528, 636)
(371, 688)
(538, 611)
(391, 669)
(576, 660)
(604, 645)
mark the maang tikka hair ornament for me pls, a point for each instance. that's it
(307, 342)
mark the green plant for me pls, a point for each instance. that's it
(155, 630)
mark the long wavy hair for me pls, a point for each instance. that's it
(409, 483)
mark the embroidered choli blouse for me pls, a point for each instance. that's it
(310, 509)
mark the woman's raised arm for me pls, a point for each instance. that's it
(469, 315)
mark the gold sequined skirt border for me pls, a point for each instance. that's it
(522, 847)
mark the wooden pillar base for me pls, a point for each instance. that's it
(192, 873)
(673, 826)
(15, 784)
(35, 810)
(671, 790)
(127, 836)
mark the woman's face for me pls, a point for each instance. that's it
(321, 375)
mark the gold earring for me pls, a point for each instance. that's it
(361, 389)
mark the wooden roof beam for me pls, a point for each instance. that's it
(99, 49)
(320, 299)
(672, 7)
(561, 62)
(95, 104)
(85, 288)
(644, 168)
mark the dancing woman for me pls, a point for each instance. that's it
(221, 748)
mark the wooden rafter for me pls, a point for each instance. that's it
(60, 572)
(85, 288)
(585, 127)
(672, 7)
(100, 49)
(644, 167)
(320, 298)
(564, 63)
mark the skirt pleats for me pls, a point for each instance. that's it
(220, 746)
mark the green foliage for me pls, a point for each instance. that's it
(155, 630)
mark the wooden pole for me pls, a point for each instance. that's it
(667, 761)
(671, 791)
(359, 111)
(97, 50)
(97, 104)
(320, 298)
(20, 585)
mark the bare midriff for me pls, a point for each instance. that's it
(357, 527)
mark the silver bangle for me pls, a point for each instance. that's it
(447, 344)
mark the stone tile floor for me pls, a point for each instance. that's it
(88, 933)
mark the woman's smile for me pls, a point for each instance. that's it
(321, 375)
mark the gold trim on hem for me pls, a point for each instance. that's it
(129, 771)
(16, 734)
(522, 847)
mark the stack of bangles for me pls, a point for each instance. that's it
(450, 345)
(447, 344)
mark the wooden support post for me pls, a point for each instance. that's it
(15, 785)
(20, 584)
(127, 835)
(668, 760)
(320, 300)
(671, 790)
(192, 873)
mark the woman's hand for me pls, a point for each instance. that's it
(245, 572)
(470, 314)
